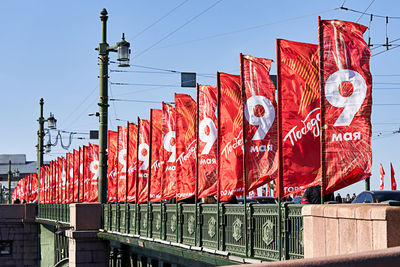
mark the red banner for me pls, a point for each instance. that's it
(143, 160)
(156, 153)
(86, 173)
(132, 161)
(168, 180)
(112, 166)
(207, 141)
(258, 93)
(76, 175)
(122, 143)
(347, 85)
(185, 108)
(382, 177)
(230, 136)
(70, 177)
(93, 160)
(63, 180)
(81, 174)
(299, 98)
(59, 171)
(42, 185)
(393, 180)
(34, 188)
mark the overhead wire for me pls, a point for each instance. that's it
(177, 29)
(160, 19)
(365, 10)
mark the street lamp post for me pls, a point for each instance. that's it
(122, 48)
(52, 125)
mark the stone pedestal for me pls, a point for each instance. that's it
(348, 228)
(18, 228)
(85, 248)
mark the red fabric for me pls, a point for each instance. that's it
(382, 176)
(347, 102)
(81, 175)
(207, 142)
(230, 136)
(70, 177)
(168, 180)
(59, 171)
(112, 166)
(86, 173)
(42, 185)
(76, 175)
(122, 143)
(143, 160)
(185, 108)
(156, 153)
(260, 122)
(93, 167)
(63, 180)
(298, 67)
(34, 187)
(132, 161)
(394, 185)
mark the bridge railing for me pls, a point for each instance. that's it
(218, 228)
(54, 212)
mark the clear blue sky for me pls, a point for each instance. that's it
(48, 51)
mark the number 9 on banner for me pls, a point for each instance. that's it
(263, 119)
(144, 156)
(169, 145)
(207, 134)
(350, 103)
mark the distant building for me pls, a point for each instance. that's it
(18, 162)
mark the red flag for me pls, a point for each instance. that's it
(112, 166)
(70, 177)
(261, 142)
(156, 154)
(347, 103)
(63, 180)
(42, 185)
(143, 160)
(168, 180)
(86, 173)
(394, 185)
(76, 175)
(230, 136)
(59, 180)
(298, 93)
(207, 141)
(81, 174)
(132, 161)
(185, 108)
(122, 143)
(34, 187)
(93, 167)
(382, 173)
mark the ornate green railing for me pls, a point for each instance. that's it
(208, 227)
(54, 212)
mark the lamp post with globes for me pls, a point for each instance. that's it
(11, 174)
(51, 122)
(122, 48)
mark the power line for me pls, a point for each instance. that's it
(249, 28)
(365, 10)
(384, 51)
(138, 101)
(177, 29)
(360, 12)
(160, 19)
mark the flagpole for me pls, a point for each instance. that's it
(196, 193)
(244, 152)
(163, 168)
(127, 163)
(149, 177)
(322, 101)
(279, 183)
(117, 173)
(176, 183)
(218, 155)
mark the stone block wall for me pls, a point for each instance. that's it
(346, 228)
(17, 225)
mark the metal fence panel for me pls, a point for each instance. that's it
(233, 234)
(171, 222)
(208, 225)
(188, 226)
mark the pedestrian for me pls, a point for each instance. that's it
(313, 194)
(353, 197)
(348, 199)
(338, 198)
